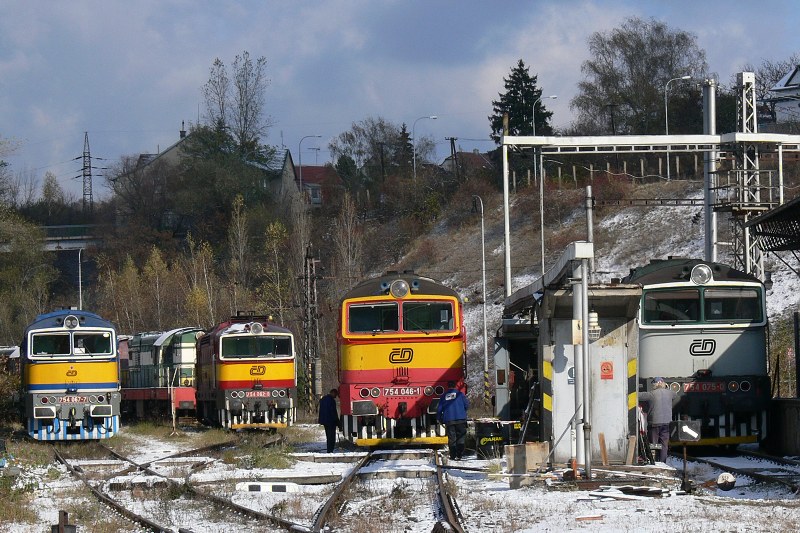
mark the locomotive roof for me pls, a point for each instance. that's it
(238, 323)
(379, 285)
(55, 319)
(678, 269)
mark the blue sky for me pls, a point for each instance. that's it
(130, 72)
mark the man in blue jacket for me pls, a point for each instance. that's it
(452, 412)
(329, 417)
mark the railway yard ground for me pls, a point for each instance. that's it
(292, 480)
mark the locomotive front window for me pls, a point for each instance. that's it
(732, 305)
(671, 306)
(50, 344)
(372, 318)
(251, 346)
(427, 316)
(97, 343)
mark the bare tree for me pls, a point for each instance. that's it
(348, 246)
(625, 78)
(237, 104)
(769, 73)
(215, 92)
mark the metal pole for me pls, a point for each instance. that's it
(587, 404)
(666, 114)
(577, 364)
(709, 170)
(506, 218)
(80, 280)
(485, 335)
(590, 224)
(541, 210)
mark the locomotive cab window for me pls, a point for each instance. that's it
(427, 316)
(97, 343)
(732, 305)
(50, 344)
(371, 318)
(261, 347)
(670, 306)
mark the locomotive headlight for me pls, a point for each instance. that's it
(701, 274)
(428, 391)
(745, 386)
(256, 328)
(71, 322)
(364, 393)
(375, 392)
(733, 386)
(399, 288)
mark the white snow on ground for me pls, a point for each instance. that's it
(485, 498)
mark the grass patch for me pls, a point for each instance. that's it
(15, 502)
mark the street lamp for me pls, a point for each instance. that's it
(533, 119)
(477, 203)
(300, 160)
(414, 141)
(666, 114)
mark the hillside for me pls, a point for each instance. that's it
(624, 238)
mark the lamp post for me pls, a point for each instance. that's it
(477, 203)
(414, 141)
(80, 281)
(536, 175)
(666, 113)
(533, 118)
(300, 160)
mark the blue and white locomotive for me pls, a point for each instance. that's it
(703, 328)
(70, 377)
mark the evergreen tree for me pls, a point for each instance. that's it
(520, 94)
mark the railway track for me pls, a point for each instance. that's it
(100, 489)
(331, 515)
(759, 467)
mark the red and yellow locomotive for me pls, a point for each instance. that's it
(401, 339)
(245, 374)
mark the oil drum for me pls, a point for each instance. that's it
(489, 439)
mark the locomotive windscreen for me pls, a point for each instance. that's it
(710, 304)
(425, 316)
(373, 317)
(84, 343)
(734, 304)
(251, 346)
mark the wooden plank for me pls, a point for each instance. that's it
(603, 451)
(631, 450)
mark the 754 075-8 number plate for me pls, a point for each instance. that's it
(401, 391)
(702, 386)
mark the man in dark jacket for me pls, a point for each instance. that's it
(452, 412)
(329, 417)
(661, 400)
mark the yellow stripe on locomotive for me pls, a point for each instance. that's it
(265, 371)
(87, 374)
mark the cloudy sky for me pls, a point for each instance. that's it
(129, 73)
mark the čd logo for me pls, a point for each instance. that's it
(258, 370)
(401, 355)
(702, 347)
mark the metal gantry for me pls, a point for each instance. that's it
(744, 191)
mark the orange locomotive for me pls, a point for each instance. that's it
(401, 339)
(246, 374)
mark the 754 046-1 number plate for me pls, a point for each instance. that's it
(401, 391)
